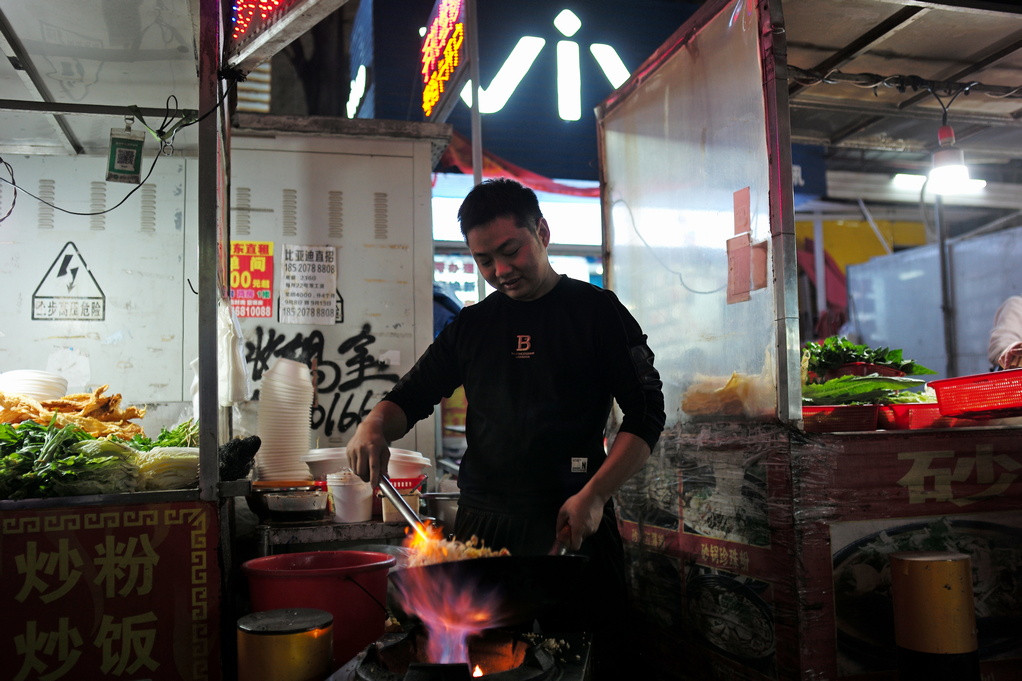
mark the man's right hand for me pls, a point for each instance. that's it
(369, 448)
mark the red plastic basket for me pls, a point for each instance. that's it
(918, 417)
(407, 484)
(402, 485)
(981, 396)
(840, 418)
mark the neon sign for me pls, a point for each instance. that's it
(260, 28)
(443, 51)
(569, 75)
(251, 16)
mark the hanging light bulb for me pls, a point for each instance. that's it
(949, 171)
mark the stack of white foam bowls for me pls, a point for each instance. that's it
(39, 385)
(285, 404)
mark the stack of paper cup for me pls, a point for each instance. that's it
(352, 498)
(39, 385)
(285, 404)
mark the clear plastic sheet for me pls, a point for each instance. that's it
(759, 551)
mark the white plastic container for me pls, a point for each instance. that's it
(323, 462)
(405, 463)
(352, 498)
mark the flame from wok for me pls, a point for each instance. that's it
(450, 611)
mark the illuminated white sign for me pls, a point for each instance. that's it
(357, 91)
(569, 72)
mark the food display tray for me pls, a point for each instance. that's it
(840, 418)
(996, 394)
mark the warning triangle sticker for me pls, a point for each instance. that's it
(68, 290)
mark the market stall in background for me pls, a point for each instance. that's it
(760, 531)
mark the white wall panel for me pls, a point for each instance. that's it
(127, 266)
(370, 200)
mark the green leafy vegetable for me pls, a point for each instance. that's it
(871, 389)
(185, 434)
(52, 461)
(837, 351)
(95, 467)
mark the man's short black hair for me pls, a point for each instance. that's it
(496, 198)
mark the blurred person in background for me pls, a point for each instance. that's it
(1005, 347)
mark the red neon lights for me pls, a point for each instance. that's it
(441, 51)
(251, 14)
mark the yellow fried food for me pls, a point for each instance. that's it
(438, 550)
(97, 414)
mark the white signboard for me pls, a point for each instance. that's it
(308, 285)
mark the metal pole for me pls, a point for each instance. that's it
(946, 290)
(209, 183)
(477, 123)
(820, 266)
(473, 65)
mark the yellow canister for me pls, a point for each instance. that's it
(290, 644)
(934, 606)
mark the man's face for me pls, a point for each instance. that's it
(513, 259)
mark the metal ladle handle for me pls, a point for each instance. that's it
(410, 516)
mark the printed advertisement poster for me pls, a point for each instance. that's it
(863, 610)
(308, 285)
(252, 278)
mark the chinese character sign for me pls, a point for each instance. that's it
(252, 278)
(308, 285)
(442, 51)
(114, 592)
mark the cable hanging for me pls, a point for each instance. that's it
(164, 134)
(902, 83)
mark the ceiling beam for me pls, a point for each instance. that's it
(972, 68)
(882, 110)
(892, 24)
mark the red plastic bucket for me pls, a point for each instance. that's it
(351, 585)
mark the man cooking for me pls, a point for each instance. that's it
(541, 359)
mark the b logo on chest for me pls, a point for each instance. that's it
(523, 347)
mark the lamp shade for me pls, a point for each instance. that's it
(949, 172)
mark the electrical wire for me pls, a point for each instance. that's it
(14, 200)
(681, 277)
(903, 83)
(72, 212)
(944, 107)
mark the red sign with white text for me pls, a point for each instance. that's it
(124, 592)
(252, 278)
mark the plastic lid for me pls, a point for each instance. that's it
(407, 455)
(344, 476)
(325, 454)
(286, 621)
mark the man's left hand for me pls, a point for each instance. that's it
(578, 519)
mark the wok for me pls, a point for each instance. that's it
(522, 587)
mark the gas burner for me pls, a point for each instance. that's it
(500, 655)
